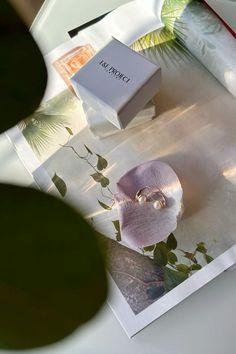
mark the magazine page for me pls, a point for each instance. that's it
(193, 132)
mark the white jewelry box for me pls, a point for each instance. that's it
(117, 82)
(102, 128)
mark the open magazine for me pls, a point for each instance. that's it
(194, 132)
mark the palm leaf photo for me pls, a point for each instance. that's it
(166, 43)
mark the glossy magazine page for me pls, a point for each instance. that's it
(194, 133)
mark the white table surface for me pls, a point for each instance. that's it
(204, 323)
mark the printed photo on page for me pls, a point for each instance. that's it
(161, 193)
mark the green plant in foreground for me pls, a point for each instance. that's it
(50, 264)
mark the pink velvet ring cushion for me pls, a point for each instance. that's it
(142, 223)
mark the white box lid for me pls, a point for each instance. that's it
(118, 82)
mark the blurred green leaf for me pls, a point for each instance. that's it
(171, 242)
(172, 258)
(22, 69)
(52, 275)
(190, 256)
(208, 258)
(100, 178)
(173, 278)
(118, 236)
(89, 151)
(160, 254)
(69, 130)
(104, 182)
(201, 247)
(162, 246)
(196, 267)
(104, 206)
(60, 184)
(149, 248)
(160, 258)
(182, 268)
(50, 263)
(116, 224)
(102, 163)
(97, 177)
